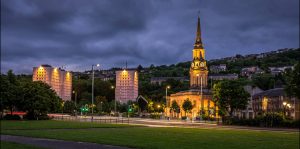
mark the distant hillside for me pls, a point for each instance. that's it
(281, 57)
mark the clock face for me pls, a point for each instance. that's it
(202, 64)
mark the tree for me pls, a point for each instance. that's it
(264, 81)
(175, 107)
(69, 107)
(100, 102)
(139, 68)
(39, 99)
(11, 93)
(293, 82)
(4, 93)
(187, 106)
(230, 96)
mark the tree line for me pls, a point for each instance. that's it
(35, 98)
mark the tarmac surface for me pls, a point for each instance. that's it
(56, 144)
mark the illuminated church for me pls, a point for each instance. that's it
(198, 94)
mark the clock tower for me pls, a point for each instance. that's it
(198, 70)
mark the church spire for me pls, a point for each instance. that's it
(198, 42)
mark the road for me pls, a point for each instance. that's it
(56, 144)
(169, 123)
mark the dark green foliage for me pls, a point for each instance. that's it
(271, 119)
(11, 93)
(155, 115)
(175, 107)
(83, 87)
(187, 106)
(264, 81)
(293, 82)
(69, 107)
(102, 93)
(11, 117)
(156, 92)
(230, 96)
(35, 98)
(274, 60)
(39, 99)
(36, 116)
(184, 118)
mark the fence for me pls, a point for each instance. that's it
(115, 120)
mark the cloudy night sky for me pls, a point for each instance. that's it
(79, 33)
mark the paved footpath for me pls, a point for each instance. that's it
(56, 144)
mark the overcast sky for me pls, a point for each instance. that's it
(79, 33)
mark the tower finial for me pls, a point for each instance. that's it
(198, 42)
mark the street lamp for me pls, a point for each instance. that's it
(284, 103)
(62, 109)
(97, 65)
(101, 106)
(74, 92)
(112, 87)
(286, 106)
(168, 87)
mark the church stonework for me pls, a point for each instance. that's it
(199, 94)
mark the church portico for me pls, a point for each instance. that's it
(201, 103)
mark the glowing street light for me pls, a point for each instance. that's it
(286, 106)
(168, 87)
(284, 103)
(112, 87)
(97, 65)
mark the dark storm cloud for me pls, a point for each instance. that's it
(78, 33)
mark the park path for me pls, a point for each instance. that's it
(56, 144)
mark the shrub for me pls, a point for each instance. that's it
(271, 119)
(183, 118)
(32, 116)
(155, 115)
(11, 117)
(205, 117)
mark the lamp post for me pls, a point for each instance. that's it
(168, 87)
(288, 107)
(62, 109)
(284, 104)
(112, 87)
(101, 106)
(158, 108)
(75, 93)
(97, 65)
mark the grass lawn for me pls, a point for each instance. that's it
(11, 145)
(52, 124)
(149, 138)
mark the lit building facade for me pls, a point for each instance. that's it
(126, 85)
(199, 95)
(198, 69)
(275, 100)
(59, 80)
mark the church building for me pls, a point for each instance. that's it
(198, 94)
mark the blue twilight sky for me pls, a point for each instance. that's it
(79, 33)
